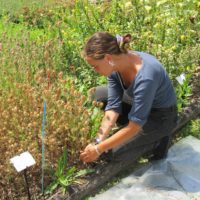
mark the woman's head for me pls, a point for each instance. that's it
(102, 43)
(102, 47)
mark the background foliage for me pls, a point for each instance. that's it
(40, 56)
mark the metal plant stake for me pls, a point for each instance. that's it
(43, 149)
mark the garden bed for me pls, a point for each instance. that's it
(120, 162)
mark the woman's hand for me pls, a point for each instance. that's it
(89, 154)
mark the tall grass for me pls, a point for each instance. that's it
(13, 7)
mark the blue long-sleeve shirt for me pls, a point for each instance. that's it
(151, 88)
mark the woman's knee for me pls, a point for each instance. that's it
(99, 93)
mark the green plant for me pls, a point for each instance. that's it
(183, 92)
(172, 35)
(95, 121)
(68, 120)
(192, 128)
(64, 175)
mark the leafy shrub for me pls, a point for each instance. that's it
(158, 27)
(68, 120)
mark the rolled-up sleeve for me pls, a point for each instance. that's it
(115, 93)
(143, 96)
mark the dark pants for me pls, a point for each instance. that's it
(157, 129)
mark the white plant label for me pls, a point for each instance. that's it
(22, 161)
(180, 79)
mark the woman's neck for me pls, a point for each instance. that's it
(128, 66)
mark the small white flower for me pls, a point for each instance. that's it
(180, 79)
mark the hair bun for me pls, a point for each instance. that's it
(127, 38)
(124, 46)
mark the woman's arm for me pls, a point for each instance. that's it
(120, 137)
(92, 152)
(108, 121)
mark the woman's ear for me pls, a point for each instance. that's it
(108, 57)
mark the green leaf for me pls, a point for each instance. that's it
(62, 163)
(83, 172)
(65, 181)
(71, 171)
(51, 187)
(64, 190)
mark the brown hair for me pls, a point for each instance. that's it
(102, 43)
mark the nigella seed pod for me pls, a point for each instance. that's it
(101, 105)
(60, 75)
(15, 62)
(94, 103)
(83, 130)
